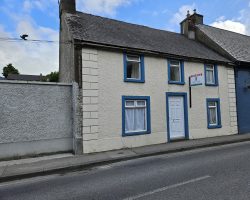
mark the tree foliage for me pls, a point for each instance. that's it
(52, 77)
(9, 69)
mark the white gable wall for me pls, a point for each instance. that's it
(103, 88)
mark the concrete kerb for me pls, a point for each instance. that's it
(82, 164)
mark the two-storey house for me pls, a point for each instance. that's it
(134, 83)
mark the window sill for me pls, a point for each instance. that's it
(214, 127)
(212, 85)
(136, 133)
(134, 80)
(176, 83)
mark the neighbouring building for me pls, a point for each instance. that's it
(235, 47)
(134, 82)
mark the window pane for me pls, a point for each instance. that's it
(135, 119)
(141, 103)
(210, 74)
(133, 70)
(172, 62)
(210, 67)
(175, 74)
(140, 121)
(211, 103)
(133, 58)
(213, 116)
(130, 103)
(129, 120)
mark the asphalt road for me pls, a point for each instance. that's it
(212, 173)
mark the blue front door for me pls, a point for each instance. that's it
(243, 99)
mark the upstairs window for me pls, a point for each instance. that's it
(133, 68)
(175, 72)
(211, 75)
(213, 113)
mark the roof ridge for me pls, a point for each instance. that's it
(140, 25)
(223, 29)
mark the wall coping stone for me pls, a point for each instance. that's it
(34, 83)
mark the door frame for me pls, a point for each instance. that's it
(238, 105)
(185, 104)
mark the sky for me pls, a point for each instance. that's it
(39, 19)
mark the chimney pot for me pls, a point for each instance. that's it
(188, 25)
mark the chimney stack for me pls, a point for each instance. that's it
(188, 24)
(67, 6)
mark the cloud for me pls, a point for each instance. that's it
(245, 18)
(42, 5)
(155, 13)
(105, 7)
(28, 5)
(221, 18)
(30, 57)
(181, 14)
(240, 24)
(230, 25)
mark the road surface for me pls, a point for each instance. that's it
(212, 173)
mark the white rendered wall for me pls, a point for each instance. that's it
(103, 88)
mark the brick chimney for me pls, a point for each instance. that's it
(67, 6)
(188, 24)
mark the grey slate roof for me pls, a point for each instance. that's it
(95, 29)
(235, 44)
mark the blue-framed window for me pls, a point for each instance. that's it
(211, 75)
(135, 115)
(176, 72)
(213, 113)
(134, 68)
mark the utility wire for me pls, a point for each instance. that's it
(6, 39)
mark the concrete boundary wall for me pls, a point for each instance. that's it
(38, 118)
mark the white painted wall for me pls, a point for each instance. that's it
(103, 88)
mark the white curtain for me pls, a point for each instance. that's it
(135, 119)
(210, 78)
(129, 120)
(213, 116)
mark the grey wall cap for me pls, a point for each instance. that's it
(35, 83)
